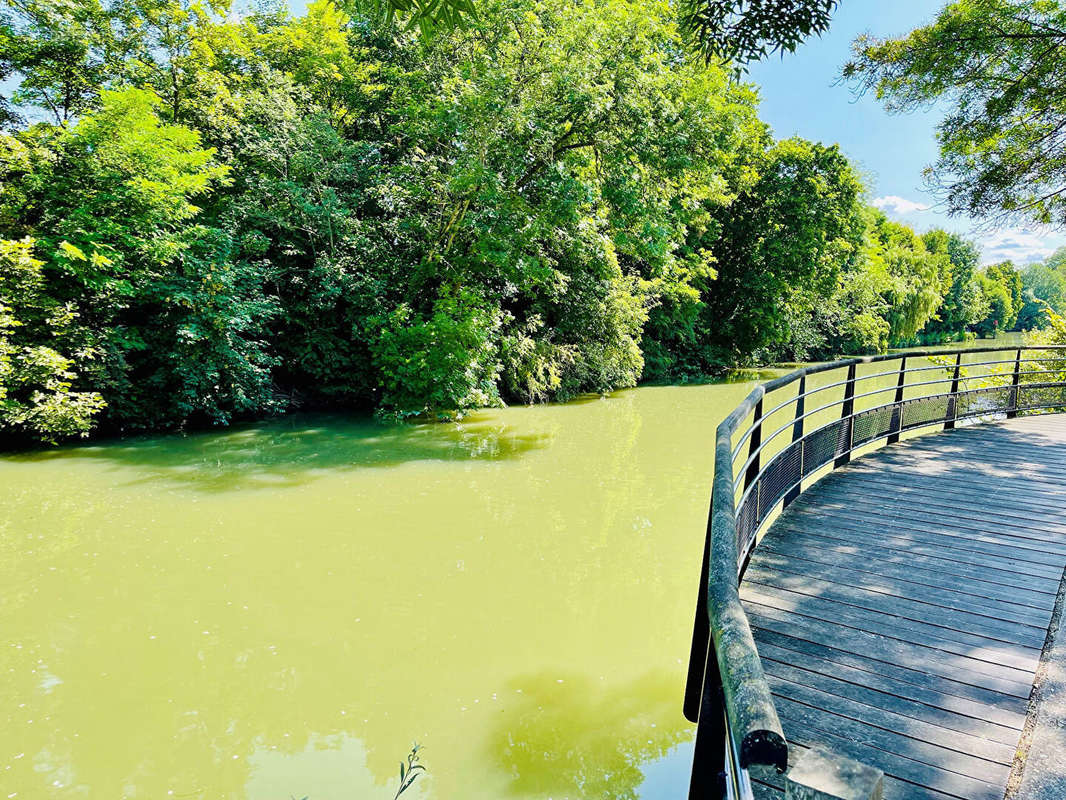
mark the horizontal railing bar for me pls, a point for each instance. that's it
(948, 367)
(908, 371)
(1008, 375)
(914, 354)
(753, 723)
(886, 406)
(773, 385)
(836, 403)
(826, 366)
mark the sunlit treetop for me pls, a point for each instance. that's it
(735, 31)
(427, 17)
(430, 15)
(738, 32)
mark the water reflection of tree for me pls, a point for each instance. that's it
(294, 450)
(580, 738)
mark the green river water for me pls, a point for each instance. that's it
(279, 611)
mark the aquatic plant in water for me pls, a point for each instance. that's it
(410, 771)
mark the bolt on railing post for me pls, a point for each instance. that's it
(1013, 403)
(797, 434)
(846, 411)
(897, 411)
(953, 398)
(754, 442)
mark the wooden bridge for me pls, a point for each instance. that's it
(894, 614)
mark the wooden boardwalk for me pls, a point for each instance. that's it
(900, 606)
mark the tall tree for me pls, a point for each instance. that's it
(1043, 288)
(963, 303)
(785, 239)
(999, 68)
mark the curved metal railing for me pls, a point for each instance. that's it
(781, 438)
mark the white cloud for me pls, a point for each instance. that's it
(899, 205)
(1020, 245)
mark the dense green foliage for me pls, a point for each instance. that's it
(1043, 291)
(36, 378)
(207, 216)
(998, 67)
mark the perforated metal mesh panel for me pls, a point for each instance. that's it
(779, 476)
(747, 520)
(825, 444)
(1041, 396)
(872, 424)
(925, 410)
(983, 401)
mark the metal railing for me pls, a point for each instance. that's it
(767, 451)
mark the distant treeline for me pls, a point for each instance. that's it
(207, 216)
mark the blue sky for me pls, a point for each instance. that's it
(800, 96)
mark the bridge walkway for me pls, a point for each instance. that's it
(900, 607)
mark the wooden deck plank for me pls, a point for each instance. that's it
(930, 527)
(863, 743)
(1044, 536)
(904, 538)
(1041, 533)
(906, 736)
(900, 605)
(890, 569)
(997, 707)
(1048, 499)
(766, 783)
(987, 657)
(955, 561)
(927, 706)
(963, 626)
(891, 650)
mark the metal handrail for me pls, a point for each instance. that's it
(727, 692)
(754, 453)
(890, 356)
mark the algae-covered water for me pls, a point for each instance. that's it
(280, 611)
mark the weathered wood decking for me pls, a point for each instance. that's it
(900, 606)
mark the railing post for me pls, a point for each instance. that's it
(797, 434)
(953, 398)
(846, 411)
(754, 442)
(701, 635)
(897, 412)
(707, 781)
(1012, 411)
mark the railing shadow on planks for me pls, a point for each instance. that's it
(756, 474)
